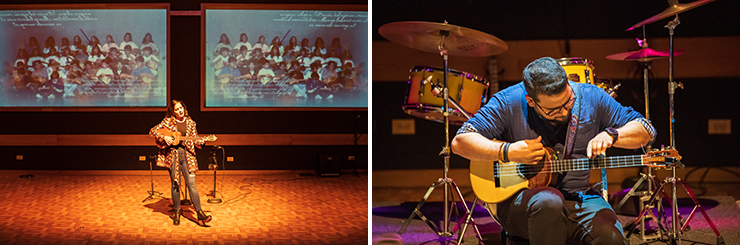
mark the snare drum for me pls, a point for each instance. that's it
(468, 90)
(580, 70)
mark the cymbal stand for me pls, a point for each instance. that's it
(649, 177)
(674, 205)
(675, 237)
(447, 182)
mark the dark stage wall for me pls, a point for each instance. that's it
(185, 85)
(537, 28)
(702, 99)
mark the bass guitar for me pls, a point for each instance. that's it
(494, 182)
(177, 136)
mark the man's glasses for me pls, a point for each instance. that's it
(568, 104)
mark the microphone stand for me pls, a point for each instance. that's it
(152, 193)
(214, 166)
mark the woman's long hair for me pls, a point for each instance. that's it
(171, 108)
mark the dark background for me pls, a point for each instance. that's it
(710, 97)
(184, 56)
(561, 19)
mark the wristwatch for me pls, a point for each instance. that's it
(613, 133)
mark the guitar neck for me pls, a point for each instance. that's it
(190, 138)
(596, 163)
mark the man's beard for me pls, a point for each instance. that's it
(559, 121)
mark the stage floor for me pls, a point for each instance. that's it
(392, 206)
(275, 208)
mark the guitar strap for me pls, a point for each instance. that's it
(570, 138)
(573, 124)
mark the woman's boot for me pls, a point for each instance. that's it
(178, 213)
(203, 217)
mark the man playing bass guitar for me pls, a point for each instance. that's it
(177, 137)
(520, 123)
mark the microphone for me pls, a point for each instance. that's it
(215, 147)
(435, 89)
(424, 82)
(428, 80)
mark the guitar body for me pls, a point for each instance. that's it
(494, 182)
(176, 136)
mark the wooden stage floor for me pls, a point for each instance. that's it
(273, 208)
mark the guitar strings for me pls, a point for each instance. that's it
(572, 165)
(516, 170)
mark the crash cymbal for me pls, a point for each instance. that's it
(673, 9)
(643, 55)
(425, 36)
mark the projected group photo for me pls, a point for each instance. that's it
(84, 58)
(285, 58)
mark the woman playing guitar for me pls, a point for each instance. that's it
(177, 136)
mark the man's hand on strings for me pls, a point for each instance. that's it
(527, 151)
(598, 145)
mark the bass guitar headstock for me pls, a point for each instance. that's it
(664, 157)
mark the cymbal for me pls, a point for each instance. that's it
(643, 55)
(673, 9)
(425, 36)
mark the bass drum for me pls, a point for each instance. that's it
(424, 96)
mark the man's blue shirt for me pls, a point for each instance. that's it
(507, 117)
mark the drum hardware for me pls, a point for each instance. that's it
(425, 82)
(674, 235)
(613, 90)
(434, 37)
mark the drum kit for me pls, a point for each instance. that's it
(431, 90)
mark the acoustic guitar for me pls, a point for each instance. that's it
(494, 182)
(177, 136)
